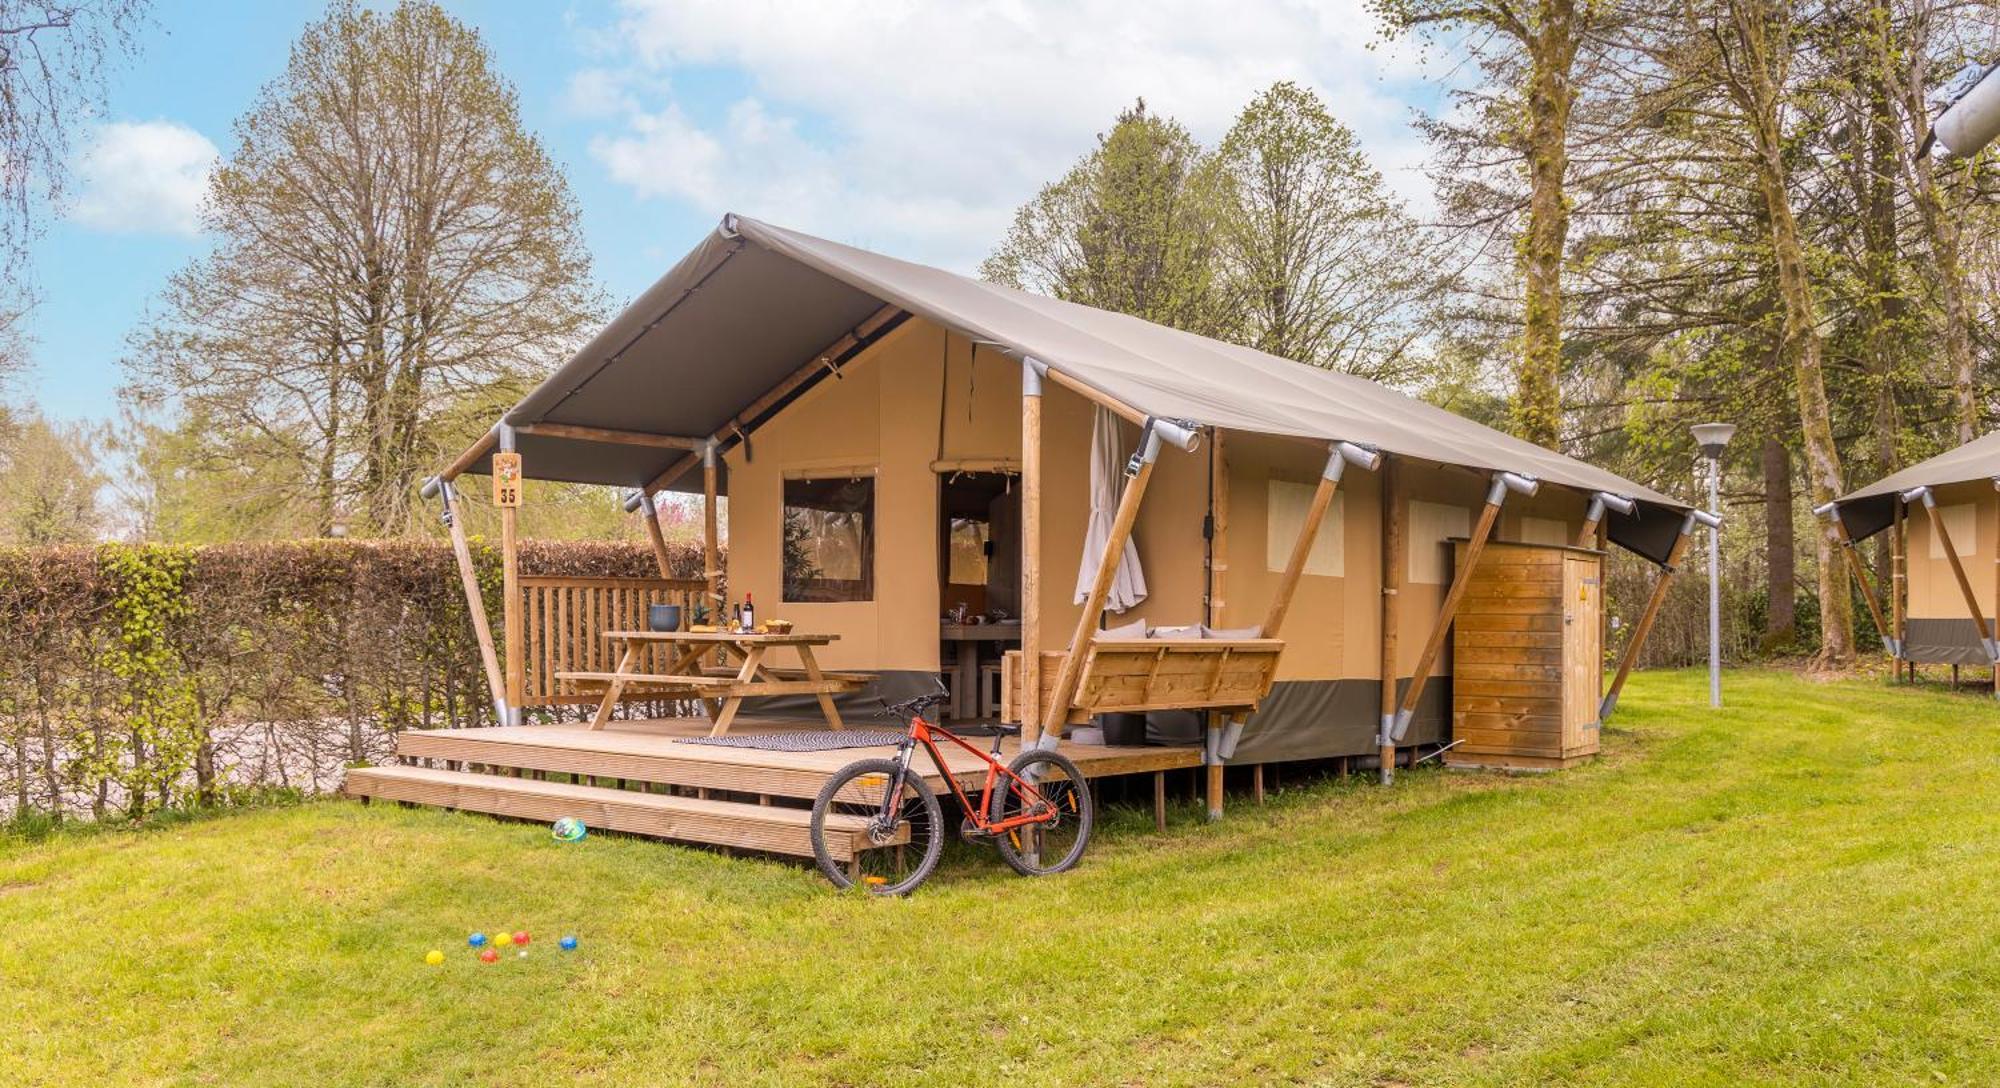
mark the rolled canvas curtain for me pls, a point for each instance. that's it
(1107, 482)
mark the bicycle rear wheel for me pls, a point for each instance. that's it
(1055, 845)
(883, 857)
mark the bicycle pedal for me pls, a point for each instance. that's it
(970, 832)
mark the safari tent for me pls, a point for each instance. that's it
(1943, 517)
(1262, 558)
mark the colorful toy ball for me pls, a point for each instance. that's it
(569, 829)
(568, 943)
(489, 956)
(477, 940)
(503, 938)
(521, 937)
(434, 957)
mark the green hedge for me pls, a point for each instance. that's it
(135, 677)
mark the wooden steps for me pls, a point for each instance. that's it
(718, 795)
(775, 828)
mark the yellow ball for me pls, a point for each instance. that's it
(503, 938)
(434, 957)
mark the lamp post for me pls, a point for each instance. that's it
(1713, 438)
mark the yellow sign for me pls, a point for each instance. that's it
(506, 479)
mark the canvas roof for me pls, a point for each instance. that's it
(1871, 509)
(753, 302)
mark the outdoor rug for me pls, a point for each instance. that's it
(805, 740)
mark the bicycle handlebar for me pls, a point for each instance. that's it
(912, 706)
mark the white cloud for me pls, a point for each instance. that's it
(921, 127)
(144, 177)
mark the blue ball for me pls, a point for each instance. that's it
(568, 944)
(477, 940)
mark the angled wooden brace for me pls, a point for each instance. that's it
(1860, 571)
(1586, 537)
(1923, 495)
(1652, 611)
(1138, 471)
(1496, 496)
(1340, 456)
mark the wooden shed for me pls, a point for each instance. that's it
(1527, 657)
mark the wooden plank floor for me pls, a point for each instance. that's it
(648, 751)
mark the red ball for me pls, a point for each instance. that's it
(489, 956)
(521, 937)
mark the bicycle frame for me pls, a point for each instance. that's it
(1039, 811)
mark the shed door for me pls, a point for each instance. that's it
(1583, 647)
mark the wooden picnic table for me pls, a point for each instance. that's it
(721, 691)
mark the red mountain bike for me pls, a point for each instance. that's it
(1036, 810)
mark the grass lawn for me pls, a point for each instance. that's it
(1801, 889)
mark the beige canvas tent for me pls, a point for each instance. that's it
(1943, 517)
(893, 440)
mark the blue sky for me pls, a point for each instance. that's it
(914, 128)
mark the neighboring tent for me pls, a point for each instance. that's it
(1107, 465)
(1946, 514)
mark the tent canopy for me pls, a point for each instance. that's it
(1871, 509)
(754, 302)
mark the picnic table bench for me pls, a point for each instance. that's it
(721, 690)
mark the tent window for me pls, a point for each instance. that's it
(829, 540)
(1962, 522)
(1285, 514)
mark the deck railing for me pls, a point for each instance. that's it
(564, 620)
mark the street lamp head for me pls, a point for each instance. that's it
(1971, 118)
(1713, 437)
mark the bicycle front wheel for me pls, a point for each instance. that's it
(1062, 796)
(856, 845)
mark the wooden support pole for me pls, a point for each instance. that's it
(510, 581)
(650, 514)
(1031, 552)
(1214, 775)
(1461, 580)
(1302, 545)
(1899, 579)
(475, 601)
(1394, 563)
(1860, 572)
(1652, 612)
(1590, 535)
(610, 436)
(1218, 541)
(480, 447)
(1339, 455)
(1097, 396)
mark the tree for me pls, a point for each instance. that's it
(390, 242)
(1319, 260)
(52, 58)
(1529, 51)
(1130, 228)
(49, 484)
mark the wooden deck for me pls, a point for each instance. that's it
(634, 776)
